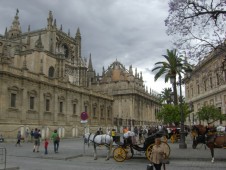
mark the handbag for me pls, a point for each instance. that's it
(150, 167)
(165, 161)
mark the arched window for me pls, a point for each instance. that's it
(66, 51)
(51, 72)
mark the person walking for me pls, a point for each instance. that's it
(99, 132)
(56, 140)
(32, 135)
(157, 154)
(18, 138)
(37, 137)
(113, 134)
(27, 135)
(46, 143)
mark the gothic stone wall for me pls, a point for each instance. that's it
(28, 106)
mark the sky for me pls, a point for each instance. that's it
(131, 31)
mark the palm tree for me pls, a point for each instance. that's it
(168, 68)
(165, 95)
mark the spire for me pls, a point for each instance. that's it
(135, 72)
(55, 24)
(90, 67)
(78, 43)
(61, 27)
(78, 33)
(6, 32)
(28, 28)
(141, 77)
(103, 71)
(130, 70)
(68, 32)
(28, 37)
(50, 20)
(15, 28)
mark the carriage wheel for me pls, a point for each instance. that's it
(129, 152)
(149, 151)
(173, 138)
(119, 154)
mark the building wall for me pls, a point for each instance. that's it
(25, 84)
(207, 86)
(133, 104)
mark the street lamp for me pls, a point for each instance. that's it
(182, 144)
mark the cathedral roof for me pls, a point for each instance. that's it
(116, 72)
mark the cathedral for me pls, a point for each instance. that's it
(46, 83)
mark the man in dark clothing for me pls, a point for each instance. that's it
(37, 136)
(99, 132)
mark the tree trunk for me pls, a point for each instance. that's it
(175, 92)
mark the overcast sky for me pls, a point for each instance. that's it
(131, 31)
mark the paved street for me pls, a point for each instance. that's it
(71, 156)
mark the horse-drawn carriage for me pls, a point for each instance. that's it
(126, 150)
(207, 136)
(174, 133)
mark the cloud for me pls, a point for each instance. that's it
(131, 31)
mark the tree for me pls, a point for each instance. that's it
(210, 114)
(171, 114)
(166, 95)
(168, 68)
(198, 24)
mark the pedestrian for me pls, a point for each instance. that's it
(32, 135)
(140, 131)
(99, 132)
(135, 130)
(157, 154)
(56, 140)
(37, 137)
(113, 134)
(27, 135)
(125, 130)
(18, 138)
(46, 143)
(1, 138)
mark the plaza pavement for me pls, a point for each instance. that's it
(74, 148)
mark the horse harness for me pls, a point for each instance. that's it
(102, 138)
(208, 136)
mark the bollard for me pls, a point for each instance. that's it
(150, 167)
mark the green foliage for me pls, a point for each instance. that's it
(165, 96)
(171, 113)
(168, 68)
(210, 114)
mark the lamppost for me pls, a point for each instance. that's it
(182, 144)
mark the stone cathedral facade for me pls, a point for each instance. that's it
(46, 84)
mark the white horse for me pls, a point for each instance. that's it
(104, 139)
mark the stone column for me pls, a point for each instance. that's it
(41, 104)
(24, 104)
(55, 106)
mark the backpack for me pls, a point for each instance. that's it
(57, 138)
(36, 135)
